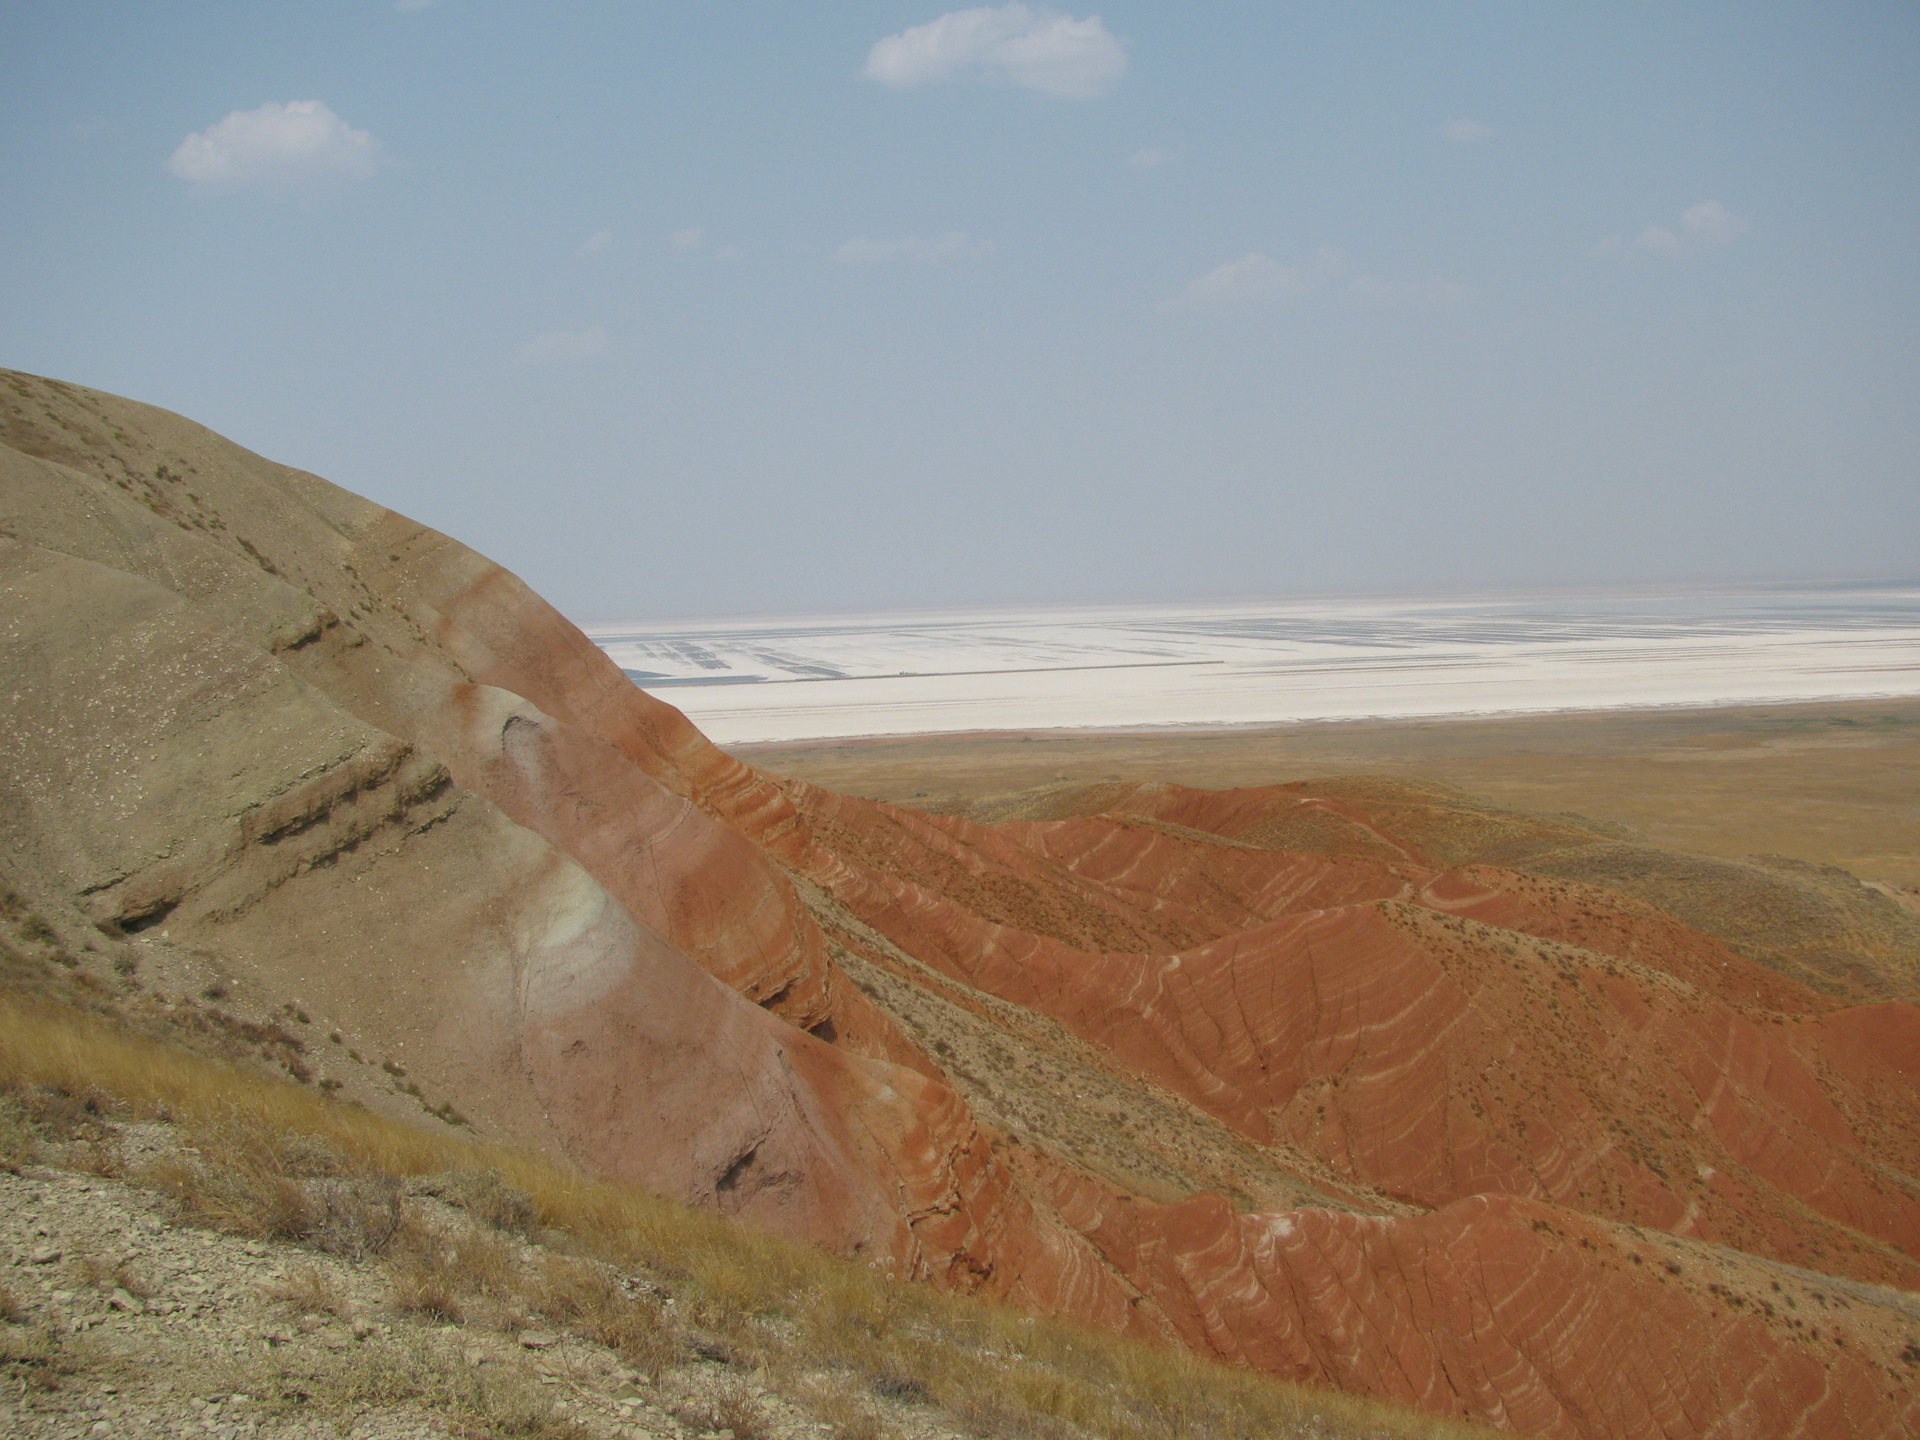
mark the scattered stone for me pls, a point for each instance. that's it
(538, 1339)
(45, 1255)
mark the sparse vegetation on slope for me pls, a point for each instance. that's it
(654, 1283)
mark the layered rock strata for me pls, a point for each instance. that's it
(1286, 1075)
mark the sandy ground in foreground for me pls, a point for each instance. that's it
(1835, 783)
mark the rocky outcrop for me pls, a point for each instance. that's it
(1351, 1082)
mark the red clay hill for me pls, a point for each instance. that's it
(1358, 1082)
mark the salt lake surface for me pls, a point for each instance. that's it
(1264, 662)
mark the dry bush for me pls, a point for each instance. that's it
(892, 1383)
(592, 1301)
(486, 1195)
(98, 1273)
(840, 1407)
(990, 1418)
(877, 1329)
(733, 1409)
(19, 1141)
(37, 1359)
(423, 1285)
(459, 1275)
(487, 1265)
(729, 1292)
(246, 1178)
(352, 1216)
(95, 1155)
(739, 1412)
(12, 1312)
(415, 1373)
(309, 1290)
(32, 1118)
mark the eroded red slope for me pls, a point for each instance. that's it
(1568, 1151)
(1531, 1050)
(1537, 1063)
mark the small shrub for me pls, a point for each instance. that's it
(486, 1195)
(19, 1144)
(890, 1384)
(249, 1179)
(739, 1412)
(309, 1290)
(35, 1359)
(60, 1115)
(590, 1300)
(96, 1155)
(98, 1273)
(849, 1416)
(695, 1415)
(416, 1372)
(354, 1216)
(424, 1289)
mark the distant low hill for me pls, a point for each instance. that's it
(1358, 1082)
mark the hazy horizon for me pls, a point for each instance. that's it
(756, 309)
(1384, 595)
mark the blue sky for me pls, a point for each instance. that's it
(683, 310)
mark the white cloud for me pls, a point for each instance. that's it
(596, 242)
(562, 347)
(1255, 280)
(1710, 223)
(688, 238)
(1469, 132)
(300, 148)
(1700, 227)
(1037, 49)
(1381, 294)
(953, 245)
(1152, 157)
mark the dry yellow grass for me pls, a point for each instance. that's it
(266, 1147)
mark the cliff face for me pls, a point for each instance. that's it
(1321, 1079)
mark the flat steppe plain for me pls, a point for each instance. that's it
(1834, 783)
